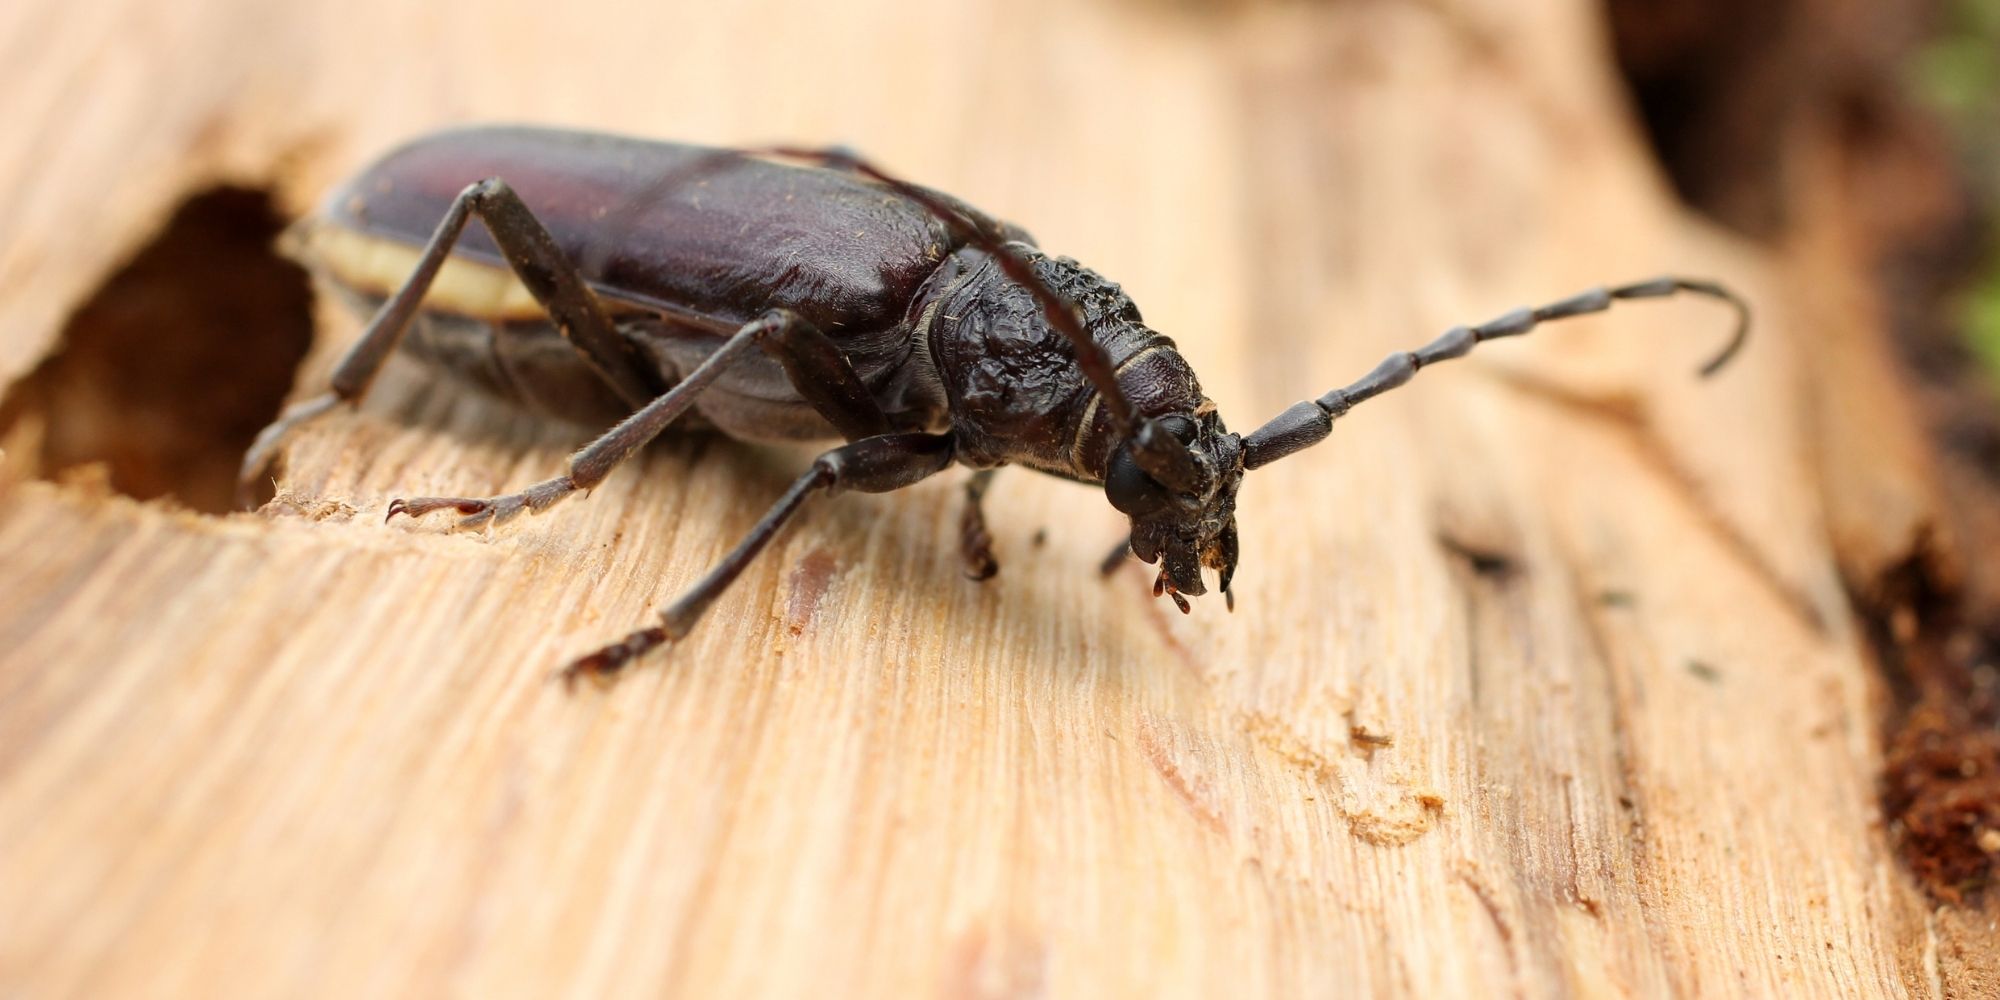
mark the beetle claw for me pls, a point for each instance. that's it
(474, 511)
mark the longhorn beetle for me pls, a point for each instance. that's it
(790, 293)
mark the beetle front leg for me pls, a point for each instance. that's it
(872, 465)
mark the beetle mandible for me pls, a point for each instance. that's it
(797, 294)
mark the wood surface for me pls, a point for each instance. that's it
(1543, 679)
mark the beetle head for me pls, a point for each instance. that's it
(1176, 478)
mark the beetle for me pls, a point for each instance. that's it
(797, 294)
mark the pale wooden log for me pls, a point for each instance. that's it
(300, 752)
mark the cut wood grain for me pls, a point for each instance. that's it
(1543, 678)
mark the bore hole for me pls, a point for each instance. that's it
(169, 369)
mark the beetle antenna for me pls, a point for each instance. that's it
(1308, 423)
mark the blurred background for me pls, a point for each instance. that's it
(1749, 108)
(1958, 73)
(1908, 95)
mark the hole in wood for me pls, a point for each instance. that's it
(169, 369)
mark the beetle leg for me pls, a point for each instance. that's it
(1116, 557)
(257, 458)
(975, 543)
(822, 376)
(541, 267)
(589, 466)
(497, 510)
(817, 369)
(872, 465)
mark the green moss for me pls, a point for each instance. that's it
(1982, 321)
(1959, 74)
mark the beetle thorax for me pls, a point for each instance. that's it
(1016, 393)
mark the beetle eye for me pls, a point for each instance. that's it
(1129, 489)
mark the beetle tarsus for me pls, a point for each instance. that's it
(980, 565)
(975, 543)
(604, 664)
(419, 506)
(486, 513)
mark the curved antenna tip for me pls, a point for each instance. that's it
(1736, 339)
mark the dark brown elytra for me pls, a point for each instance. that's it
(787, 293)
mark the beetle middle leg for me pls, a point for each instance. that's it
(815, 366)
(872, 465)
(542, 268)
(975, 543)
